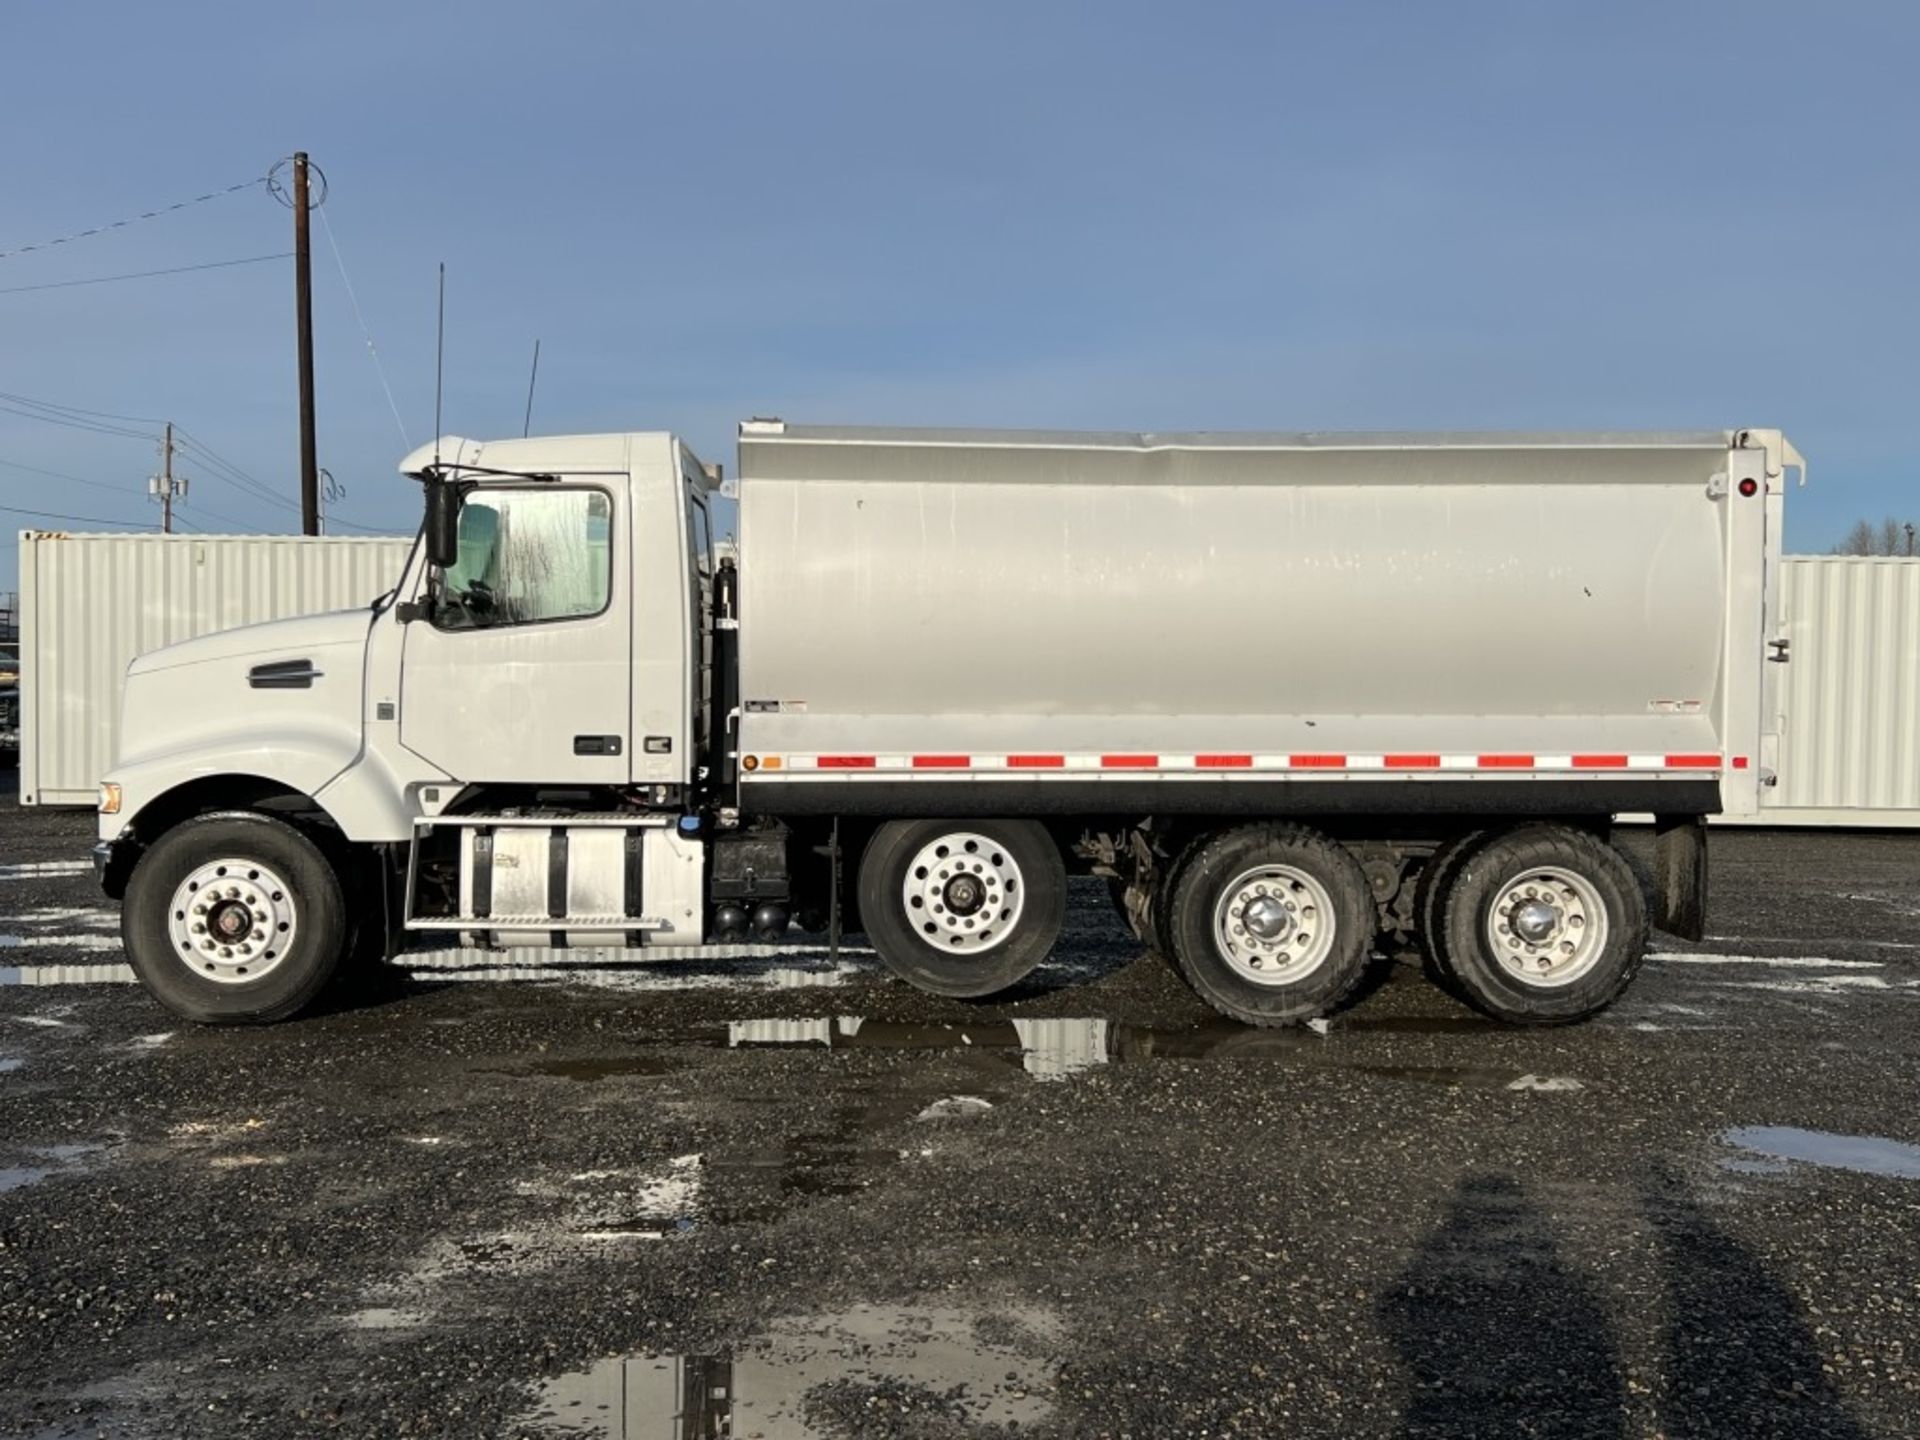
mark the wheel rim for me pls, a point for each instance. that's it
(964, 893)
(1274, 925)
(1547, 927)
(233, 921)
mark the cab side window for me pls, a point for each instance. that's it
(529, 556)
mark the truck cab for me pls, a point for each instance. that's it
(529, 704)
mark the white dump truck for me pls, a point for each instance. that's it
(1286, 692)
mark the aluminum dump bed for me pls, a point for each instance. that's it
(977, 607)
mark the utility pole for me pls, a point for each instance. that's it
(303, 306)
(164, 485)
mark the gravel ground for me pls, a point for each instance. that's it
(784, 1199)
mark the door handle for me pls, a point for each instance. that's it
(596, 744)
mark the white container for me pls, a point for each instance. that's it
(1850, 693)
(90, 603)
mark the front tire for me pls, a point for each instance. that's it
(234, 919)
(1545, 925)
(962, 908)
(1271, 924)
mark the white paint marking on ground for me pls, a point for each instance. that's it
(64, 915)
(1806, 962)
(1820, 984)
(36, 868)
(59, 942)
(1546, 1084)
(1769, 940)
(66, 975)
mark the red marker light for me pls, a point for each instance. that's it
(1749, 487)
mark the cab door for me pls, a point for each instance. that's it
(519, 671)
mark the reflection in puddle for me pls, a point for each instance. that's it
(1865, 1154)
(885, 1368)
(1056, 1048)
(10, 1063)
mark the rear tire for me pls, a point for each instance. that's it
(1430, 905)
(1271, 924)
(234, 919)
(1545, 925)
(962, 908)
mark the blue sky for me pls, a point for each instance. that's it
(1367, 215)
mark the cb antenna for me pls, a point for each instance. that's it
(527, 428)
(439, 364)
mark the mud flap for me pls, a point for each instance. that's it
(1680, 875)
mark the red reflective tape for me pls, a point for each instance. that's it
(1317, 762)
(844, 762)
(1035, 762)
(1599, 762)
(1506, 762)
(1413, 762)
(1739, 762)
(1693, 762)
(1129, 762)
(1223, 762)
(942, 762)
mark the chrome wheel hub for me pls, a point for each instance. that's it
(1273, 925)
(232, 921)
(1548, 927)
(963, 892)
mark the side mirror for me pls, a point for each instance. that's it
(443, 523)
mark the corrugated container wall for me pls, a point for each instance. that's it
(1850, 750)
(90, 603)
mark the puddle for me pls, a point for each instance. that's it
(590, 1069)
(1054, 1049)
(1045, 1049)
(9, 1064)
(59, 1159)
(1863, 1154)
(872, 1369)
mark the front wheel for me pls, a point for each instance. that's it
(1545, 925)
(1271, 924)
(962, 908)
(233, 919)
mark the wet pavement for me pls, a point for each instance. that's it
(792, 1198)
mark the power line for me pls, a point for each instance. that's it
(354, 301)
(133, 219)
(62, 475)
(83, 519)
(198, 508)
(74, 423)
(216, 465)
(78, 410)
(143, 274)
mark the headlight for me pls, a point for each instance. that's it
(109, 798)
